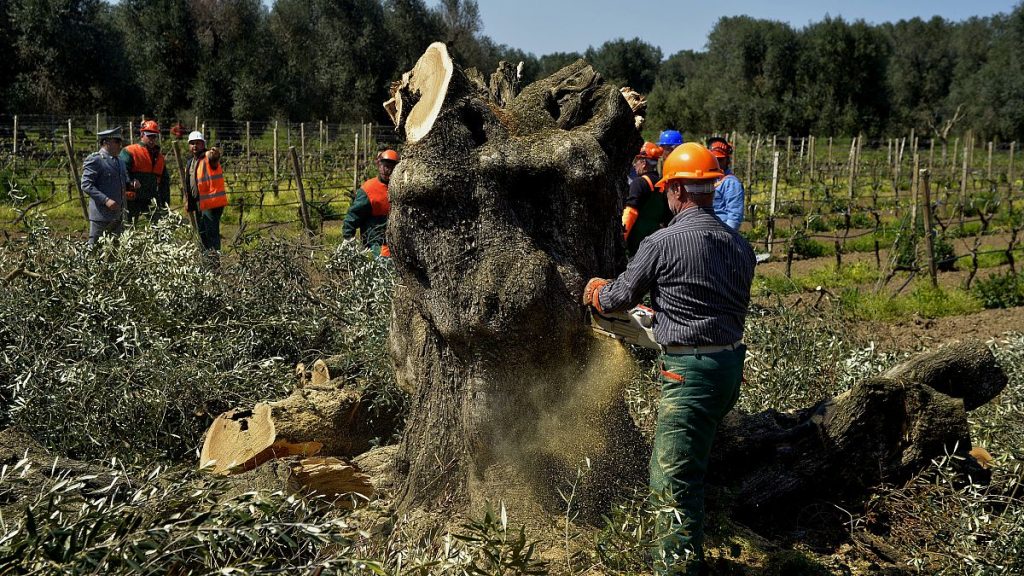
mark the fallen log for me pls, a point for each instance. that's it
(883, 430)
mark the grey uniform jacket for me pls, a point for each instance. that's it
(103, 177)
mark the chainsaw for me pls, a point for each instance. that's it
(635, 326)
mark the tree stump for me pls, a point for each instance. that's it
(499, 215)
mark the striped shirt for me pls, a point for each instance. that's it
(698, 272)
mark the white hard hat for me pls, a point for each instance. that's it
(196, 135)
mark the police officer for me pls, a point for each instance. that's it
(105, 180)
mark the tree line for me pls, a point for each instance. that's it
(335, 59)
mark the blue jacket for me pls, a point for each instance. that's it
(104, 177)
(729, 200)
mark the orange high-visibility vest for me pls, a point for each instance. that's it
(377, 192)
(210, 181)
(142, 162)
(380, 205)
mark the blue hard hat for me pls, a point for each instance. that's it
(670, 138)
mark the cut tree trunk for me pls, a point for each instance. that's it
(883, 430)
(500, 212)
(321, 417)
(332, 479)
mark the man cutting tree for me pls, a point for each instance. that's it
(698, 272)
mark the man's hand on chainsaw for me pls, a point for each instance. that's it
(591, 294)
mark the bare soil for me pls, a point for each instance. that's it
(921, 333)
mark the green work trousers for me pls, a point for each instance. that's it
(696, 393)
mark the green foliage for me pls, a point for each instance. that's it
(152, 343)
(806, 247)
(413, 26)
(943, 526)
(481, 547)
(307, 59)
(910, 250)
(798, 357)
(171, 523)
(160, 61)
(632, 63)
(1000, 290)
(944, 254)
(348, 73)
(816, 223)
(633, 532)
(63, 57)
(923, 301)
(496, 551)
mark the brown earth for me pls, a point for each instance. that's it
(921, 333)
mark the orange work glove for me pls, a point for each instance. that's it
(130, 194)
(629, 217)
(592, 293)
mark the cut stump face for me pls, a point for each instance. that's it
(499, 215)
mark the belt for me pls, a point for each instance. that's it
(684, 350)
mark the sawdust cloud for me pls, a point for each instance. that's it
(576, 427)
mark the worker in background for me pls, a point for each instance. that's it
(106, 182)
(178, 131)
(729, 189)
(646, 209)
(148, 171)
(669, 140)
(368, 213)
(698, 272)
(207, 193)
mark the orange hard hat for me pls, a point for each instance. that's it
(149, 126)
(650, 151)
(389, 155)
(691, 161)
(720, 147)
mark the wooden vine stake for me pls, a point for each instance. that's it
(963, 177)
(1009, 173)
(770, 240)
(355, 165)
(928, 246)
(74, 176)
(303, 207)
(988, 164)
(14, 160)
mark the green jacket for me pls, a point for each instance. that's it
(653, 208)
(368, 214)
(154, 186)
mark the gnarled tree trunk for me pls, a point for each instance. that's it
(499, 215)
(883, 430)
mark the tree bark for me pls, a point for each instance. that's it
(499, 215)
(883, 430)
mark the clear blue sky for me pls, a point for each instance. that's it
(544, 26)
